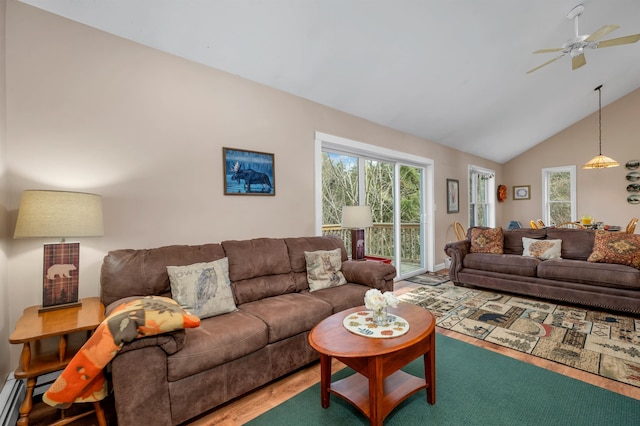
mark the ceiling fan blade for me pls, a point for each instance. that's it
(602, 32)
(554, 49)
(578, 61)
(546, 63)
(618, 41)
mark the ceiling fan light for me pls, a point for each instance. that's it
(600, 162)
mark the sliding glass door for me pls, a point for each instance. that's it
(395, 191)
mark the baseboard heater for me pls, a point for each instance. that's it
(13, 393)
(11, 397)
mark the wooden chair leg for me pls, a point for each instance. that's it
(102, 420)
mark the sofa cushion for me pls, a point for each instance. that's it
(323, 269)
(610, 247)
(577, 244)
(541, 249)
(258, 268)
(487, 240)
(256, 258)
(297, 246)
(288, 314)
(143, 272)
(203, 288)
(343, 297)
(218, 340)
(513, 239)
(503, 263)
(596, 274)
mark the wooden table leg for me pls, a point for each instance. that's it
(27, 404)
(430, 370)
(325, 379)
(376, 391)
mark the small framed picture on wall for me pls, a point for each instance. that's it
(453, 196)
(522, 192)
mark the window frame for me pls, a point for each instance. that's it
(491, 194)
(546, 210)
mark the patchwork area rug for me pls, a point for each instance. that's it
(429, 278)
(597, 342)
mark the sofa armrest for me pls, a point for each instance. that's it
(170, 342)
(372, 274)
(456, 251)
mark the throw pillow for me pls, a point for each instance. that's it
(614, 247)
(323, 269)
(541, 249)
(203, 288)
(486, 240)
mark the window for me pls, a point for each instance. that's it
(482, 197)
(559, 195)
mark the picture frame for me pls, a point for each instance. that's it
(522, 192)
(248, 172)
(453, 196)
(60, 275)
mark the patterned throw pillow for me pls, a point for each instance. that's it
(203, 288)
(542, 249)
(614, 247)
(323, 269)
(486, 240)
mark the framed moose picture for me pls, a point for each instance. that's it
(248, 172)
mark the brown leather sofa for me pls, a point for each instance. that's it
(171, 378)
(570, 279)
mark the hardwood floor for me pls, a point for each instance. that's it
(242, 410)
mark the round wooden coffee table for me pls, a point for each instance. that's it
(378, 385)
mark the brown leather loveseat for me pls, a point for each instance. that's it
(171, 378)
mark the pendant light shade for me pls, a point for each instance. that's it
(600, 161)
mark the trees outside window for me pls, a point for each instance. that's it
(481, 197)
(559, 194)
(398, 187)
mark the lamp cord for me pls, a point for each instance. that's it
(599, 118)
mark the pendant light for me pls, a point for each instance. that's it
(600, 161)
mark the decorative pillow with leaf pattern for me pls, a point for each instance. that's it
(487, 240)
(615, 247)
(542, 249)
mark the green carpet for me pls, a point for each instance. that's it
(474, 386)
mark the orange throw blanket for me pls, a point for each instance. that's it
(83, 379)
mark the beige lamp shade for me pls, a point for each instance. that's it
(356, 217)
(600, 162)
(59, 214)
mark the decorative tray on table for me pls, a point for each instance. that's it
(361, 323)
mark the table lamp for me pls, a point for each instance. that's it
(357, 218)
(60, 214)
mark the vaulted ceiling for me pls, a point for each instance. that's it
(453, 72)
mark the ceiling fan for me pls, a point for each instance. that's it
(575, 46)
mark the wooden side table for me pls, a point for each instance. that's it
(50, 340)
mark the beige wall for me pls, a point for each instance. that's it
(600, 193)
(4, 288)
(92, 112)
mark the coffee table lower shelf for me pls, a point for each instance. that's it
(397, 387)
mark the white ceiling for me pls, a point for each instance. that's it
(453, 72)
